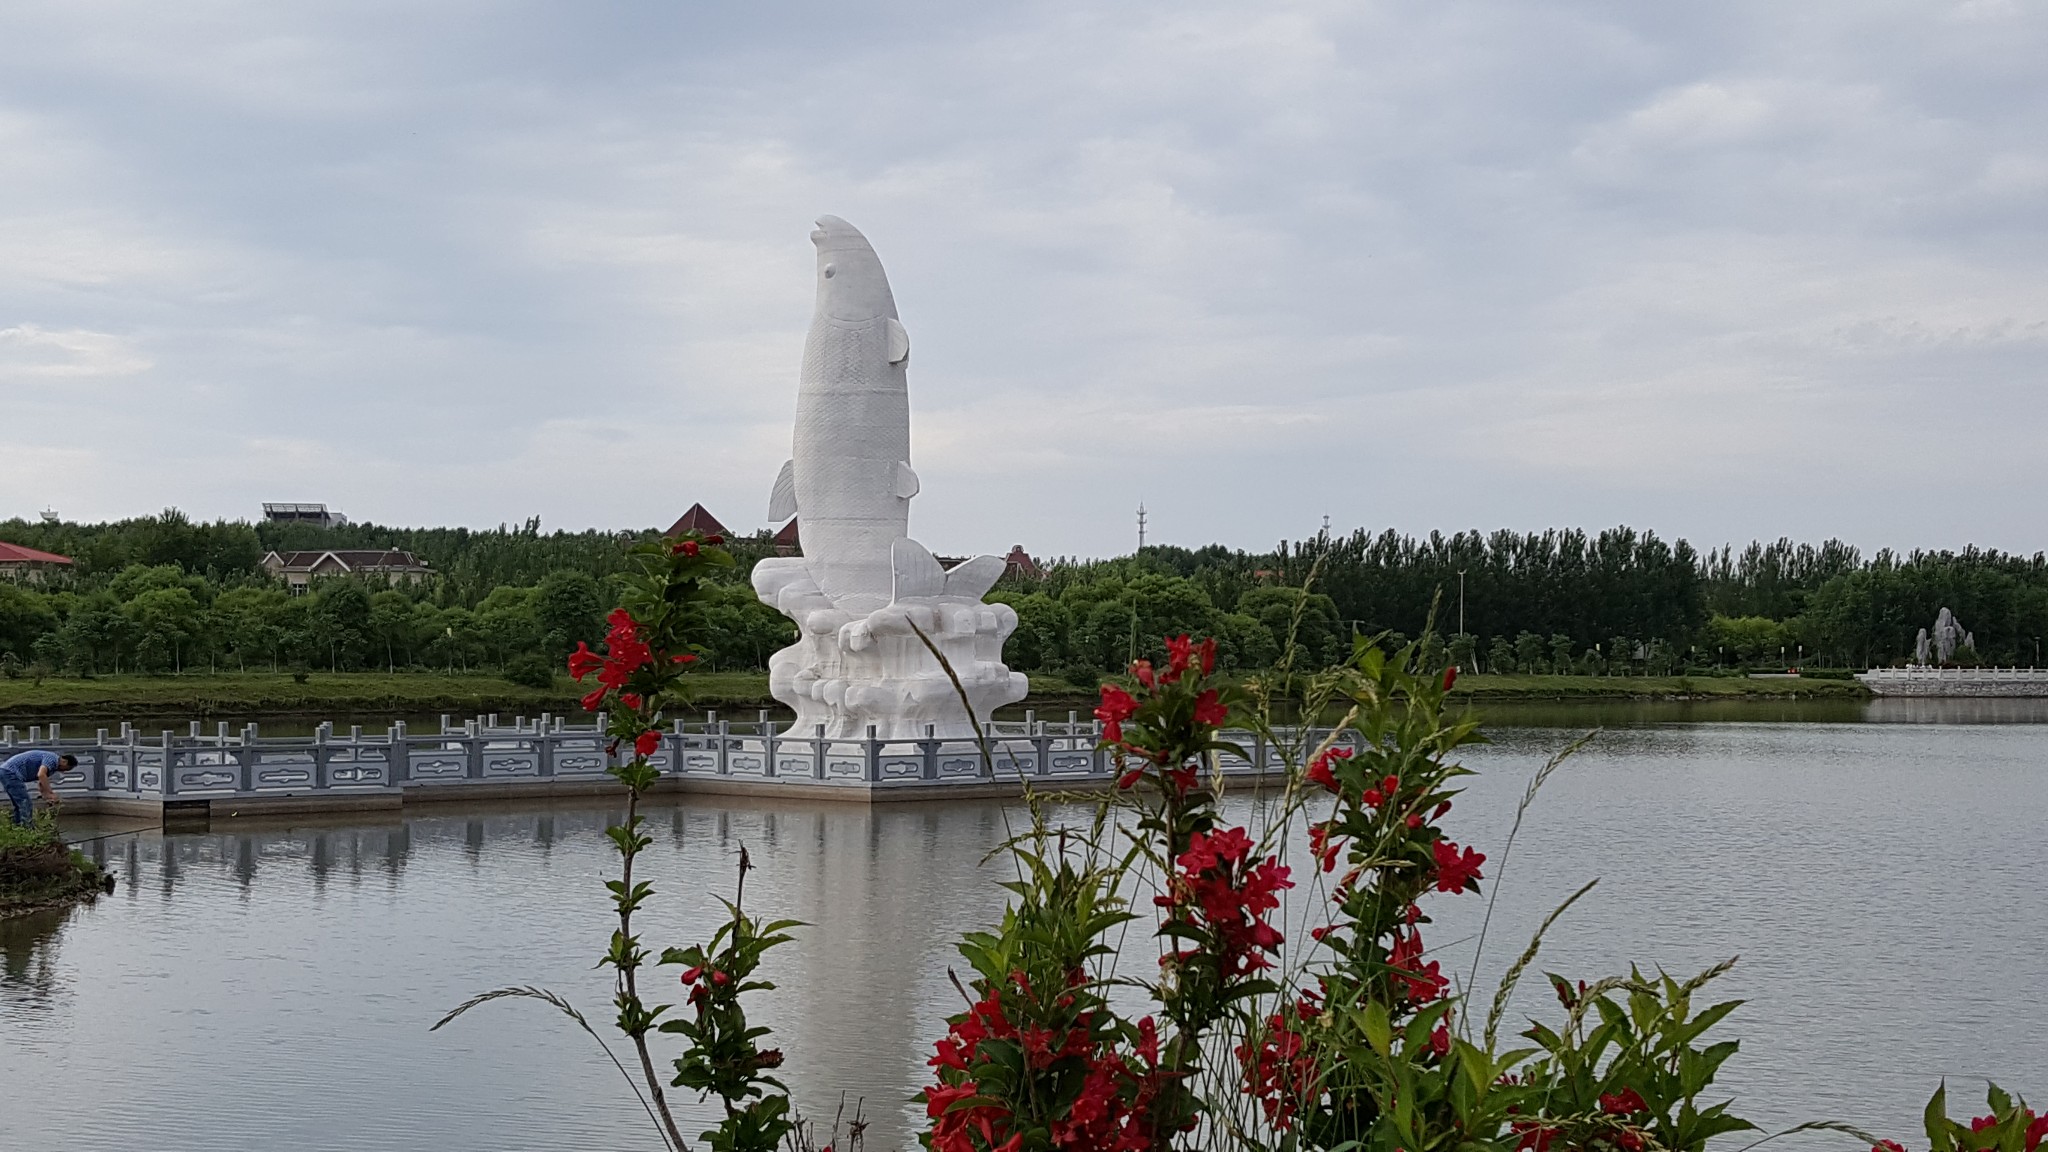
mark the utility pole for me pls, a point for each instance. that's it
(1141, 526)
(1461, 601)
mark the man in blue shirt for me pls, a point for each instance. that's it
(39, 766)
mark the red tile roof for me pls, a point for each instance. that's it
(697, 520)
(16, 554)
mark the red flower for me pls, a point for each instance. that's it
(1143, 671)
(719, 978)
(1440, 1041)
(1422, 981)
(688, 548)
(594, 700)
(2036, 1132)
(1207, 652)
(1319, 773)
(1450, 677)
(1414, 821)
(685, 658)
(1179, 651)
(714, 540)
(1325, 847)
(582, 662)
(1373, 799)
(631, 700)
(1117, 706)
(1209, 709)
(690, 975)
(647, 742)
(1888, 1146)
(1626, 1102)
(1456, 871)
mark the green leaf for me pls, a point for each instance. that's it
(1379, 1031)
(1939, 1139)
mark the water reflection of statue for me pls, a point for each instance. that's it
(1941, 644)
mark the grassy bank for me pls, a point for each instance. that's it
(369, 696)
(37, 871)
(375, 696)
(1654, 688)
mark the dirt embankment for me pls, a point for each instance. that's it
(45, 875)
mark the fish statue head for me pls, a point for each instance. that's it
(852, 288)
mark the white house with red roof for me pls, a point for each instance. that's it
(26, 565)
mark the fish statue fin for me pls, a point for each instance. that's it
(917, 573)
(906, 481)
(973, 578)
(899, 342)
(782, 501)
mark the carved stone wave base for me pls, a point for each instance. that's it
(850, 671)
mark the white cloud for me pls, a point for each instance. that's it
(30, 353)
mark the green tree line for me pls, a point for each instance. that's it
(163, 593)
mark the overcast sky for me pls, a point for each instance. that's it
(1724, 270)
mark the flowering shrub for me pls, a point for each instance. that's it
(640, 674)
(1353, 1039)
(2010, 1126)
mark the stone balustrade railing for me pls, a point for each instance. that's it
(170, 766)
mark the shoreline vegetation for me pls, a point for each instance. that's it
(376, 696)
(39, 872)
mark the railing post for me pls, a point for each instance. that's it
(168, 778)
(321, 753)
(930, 748)
(871, 758)
(398, 766)
(245, 758)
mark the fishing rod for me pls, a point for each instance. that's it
(103, 836)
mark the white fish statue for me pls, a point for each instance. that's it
(862, 581)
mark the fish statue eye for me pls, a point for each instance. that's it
(828, 271)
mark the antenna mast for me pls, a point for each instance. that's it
(1141, 526)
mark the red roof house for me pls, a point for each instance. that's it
(19, 563)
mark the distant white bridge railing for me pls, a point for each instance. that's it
(1921, 680)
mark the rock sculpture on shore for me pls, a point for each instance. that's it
(863, 589)
(1947, 637)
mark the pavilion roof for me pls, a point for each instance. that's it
(698, 520)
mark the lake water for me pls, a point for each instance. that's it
(271, 987)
